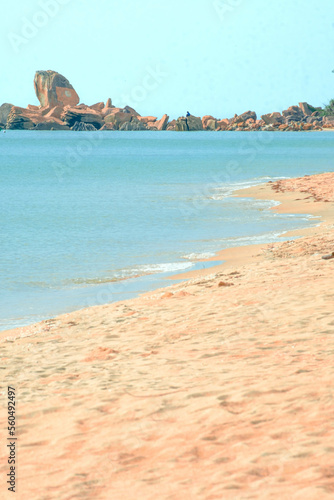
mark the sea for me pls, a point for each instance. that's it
(89, 218)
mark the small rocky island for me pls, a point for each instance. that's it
(60, 110)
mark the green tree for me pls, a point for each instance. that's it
(329, 109)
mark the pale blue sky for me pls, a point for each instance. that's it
(216, 57)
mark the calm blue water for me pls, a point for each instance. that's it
(81, 211)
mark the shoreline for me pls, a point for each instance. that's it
(217, 387)
(239, 255)
(289, 204)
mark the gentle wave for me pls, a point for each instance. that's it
(228, 190)
(198, 256)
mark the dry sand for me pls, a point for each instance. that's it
(218, 388)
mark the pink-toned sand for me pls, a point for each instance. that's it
(221, 387)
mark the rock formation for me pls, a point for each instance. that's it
(83, 127)
(53, 89)
(4, 112)
(134, 124)
(71, 115)
(189, 123)
(60, 110)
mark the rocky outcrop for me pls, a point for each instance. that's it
(147, 119)
(171, 125)
(19, 119)
(83, 127)
(328, 122)
(134, 124)
(53, 89)
(99, 106)
(51, 126)
(132, 111)
(244, 117)
(162, 123)
(5, 109)
(190, 123)
(118, 118)
(209, 122)
(272, 118)
(307, 109)
(60, 110)
(71, 115)
(108, 126)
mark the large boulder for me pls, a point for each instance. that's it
(20, 119)
(27, 119)
(222, 124)
(293, 112)
(134, 124)
(117, 118)
(130, 110)
(71, 115)
(273, 118)
(53, 89)
(306, 108)
(171, 125)
(162, 123)
(147, 119)
(189, 123)
(209, 122)
(5, 109)
(244, 117)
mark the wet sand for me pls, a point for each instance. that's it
(221, 387)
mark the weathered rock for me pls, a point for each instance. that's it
(118, 118)
(162, 123)
(107, 108)
(51, 126)
(244, 116)
(146, 119)
(55, 112)
(74, 114)
(108, 126)
(189, 123)
(32, 107)
(134, 124)
(292, 111)
(328, 119)
(83, 127)
(23, 119)
(53, 89)
(307, 126)
(99, 106)
(209, 122)
(306, 108)
(272, 118)
(222, 124)
(132, 111)
(151, 125)
(171, 125)
(5, 109)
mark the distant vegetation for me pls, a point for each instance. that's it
(329, 109)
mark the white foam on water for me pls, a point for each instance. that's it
(161, 268)
(226, 190)
(198, 256)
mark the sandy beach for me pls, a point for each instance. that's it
(220, 387)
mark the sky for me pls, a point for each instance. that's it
(209, 57)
